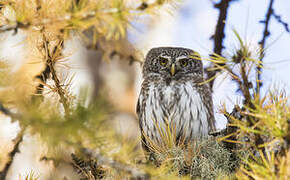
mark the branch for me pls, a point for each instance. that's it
(89, 169)
(145, 5)
(68, 17)
(279, 19)
(245, 86)
(262, 43)
(43, 76)
(7, 112)
(15, 27)
(50, 57)
(136, 174)
(17, 140)
(219, 35)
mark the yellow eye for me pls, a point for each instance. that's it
(163, 61)
(183, 62)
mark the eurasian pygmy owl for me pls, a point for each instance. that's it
(174, 93)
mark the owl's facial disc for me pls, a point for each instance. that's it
(172, 63)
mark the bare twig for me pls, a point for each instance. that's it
(279, 19)
(17, 140)
(15, 27)
(7, 112)
(136, 174)
(8, 27)
(145, 5)
(262, 43)
(219, 35)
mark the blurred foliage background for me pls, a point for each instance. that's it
(67, 100)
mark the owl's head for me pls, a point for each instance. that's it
(172, 63)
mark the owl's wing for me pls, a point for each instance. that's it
(138, 107)
(139, 111)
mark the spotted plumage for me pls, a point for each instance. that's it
(173, 93)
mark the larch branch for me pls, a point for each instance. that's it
(50, 63)
(136, 174)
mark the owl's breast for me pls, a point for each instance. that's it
(179, 105)
(168, 96)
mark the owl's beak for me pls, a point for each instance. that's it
(172, 70)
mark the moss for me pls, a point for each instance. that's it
(202, 159)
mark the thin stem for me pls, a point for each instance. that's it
(7, 112)
(262, 43)
(279, 19)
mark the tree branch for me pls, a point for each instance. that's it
(262, 43)
(50, 61)
(279, 19)
(17, 140)
(43, 76)
(15, 27)
(136, 174)
(7, 112)
(219, 35)
(87, 15)
(245, 86)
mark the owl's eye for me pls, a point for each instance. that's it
(183, 62)
(163, 61)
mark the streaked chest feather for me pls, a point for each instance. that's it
(178, 104)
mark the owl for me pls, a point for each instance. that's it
(173, 94)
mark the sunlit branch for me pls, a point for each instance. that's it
(11, 155)
(136, 174)
(50, 56)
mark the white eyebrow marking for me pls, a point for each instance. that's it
(167, 57)
(181, 57)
